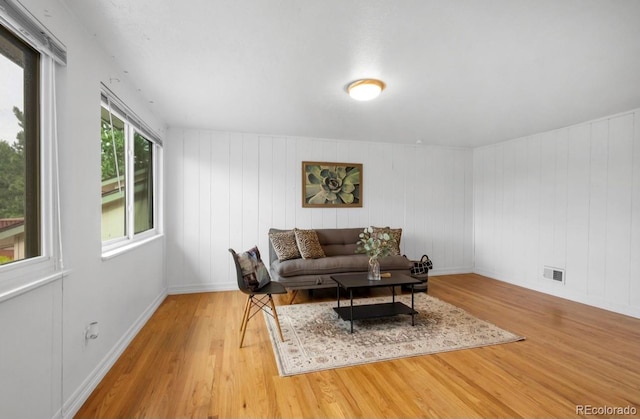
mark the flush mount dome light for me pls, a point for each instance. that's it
(365, 89)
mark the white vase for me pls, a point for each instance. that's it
(374, 269)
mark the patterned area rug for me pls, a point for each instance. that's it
(315, 338)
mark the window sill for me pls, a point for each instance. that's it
(112, 253)
(11, 293)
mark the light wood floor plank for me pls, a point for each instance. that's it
(186, 363)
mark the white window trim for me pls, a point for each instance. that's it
(24, 275)
(132, 240)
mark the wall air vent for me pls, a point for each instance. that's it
(554, 274)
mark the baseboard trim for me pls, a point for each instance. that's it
(451, 271)
(195, 288)
(558, 291)
(82, 393)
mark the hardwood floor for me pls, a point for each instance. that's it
(186, 363)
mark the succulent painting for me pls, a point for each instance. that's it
(336, 185)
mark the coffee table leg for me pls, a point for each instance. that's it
(351, 309)
(338, 293)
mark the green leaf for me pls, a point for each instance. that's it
(348, 187)
(353, 177)
(312, 190)
(347, 198)
(319, 198)
(314, 179)
(315, 169)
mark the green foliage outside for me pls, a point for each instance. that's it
(141, 152)
(109, 157)
(12, 173)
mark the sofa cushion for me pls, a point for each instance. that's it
(285, 245)
(254, 273)
(336, 264)
(308, 244)
(338, 241)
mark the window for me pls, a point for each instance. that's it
(129, 176)
(143, 183)
(113, 177)
(20, 198)
(30, 239)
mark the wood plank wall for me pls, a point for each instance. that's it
(570, 199)
(227, 189)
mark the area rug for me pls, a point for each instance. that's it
(316, 339)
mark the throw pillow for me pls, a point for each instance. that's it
(254, 273)
(396, 234)
(284, 244)
(308, 244)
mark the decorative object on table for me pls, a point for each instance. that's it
(326, 185)
(396, 235)
(316, 339)
(375, 245)
(422, 266)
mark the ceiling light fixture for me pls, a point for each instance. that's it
(365, 89)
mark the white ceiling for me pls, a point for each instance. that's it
(463, 73)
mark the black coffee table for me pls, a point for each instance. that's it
(349, 282)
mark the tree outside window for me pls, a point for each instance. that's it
(127, 178)
(19, 150)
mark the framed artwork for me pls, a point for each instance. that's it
(326, 185)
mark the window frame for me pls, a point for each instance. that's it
(31, 69)
(114, 247)
(25, 274)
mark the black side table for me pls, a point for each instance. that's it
(424, 285)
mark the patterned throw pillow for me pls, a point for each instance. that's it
(254, 273)
(284, 244)
(396, 234)
(308, 244)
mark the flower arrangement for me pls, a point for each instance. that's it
(376, 244)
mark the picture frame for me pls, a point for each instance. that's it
(331, 185)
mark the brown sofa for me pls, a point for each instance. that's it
(339, 246)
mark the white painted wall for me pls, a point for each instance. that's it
(570, 199)
(45, 368)
(228, 189)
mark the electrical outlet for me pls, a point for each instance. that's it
(91, 332)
